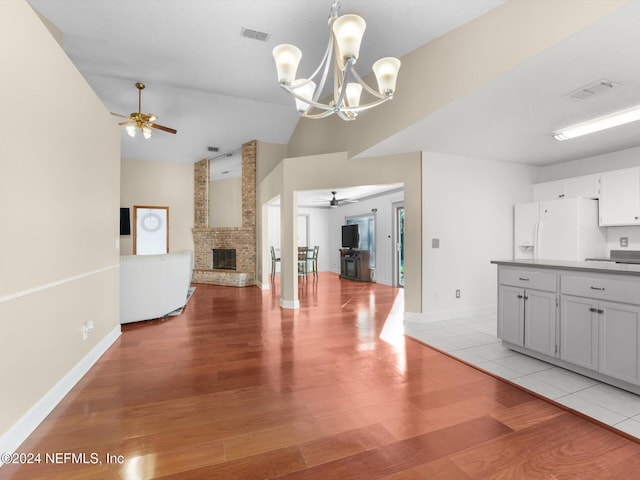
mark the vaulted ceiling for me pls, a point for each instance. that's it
(219, 89)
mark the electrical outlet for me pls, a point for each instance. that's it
(624, 241)
(457, 293)
(87, 328)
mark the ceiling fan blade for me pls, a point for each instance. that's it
(126, 123)
(163, 128)
(346, 200)
(121, 116)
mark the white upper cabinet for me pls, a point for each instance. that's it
(620, 198)
(585, 187)
(547, 191)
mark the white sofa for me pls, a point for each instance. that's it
(152, 286)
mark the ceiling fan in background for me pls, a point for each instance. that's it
(335, 202)
(142, 121)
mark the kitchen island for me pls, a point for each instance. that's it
(582, 316)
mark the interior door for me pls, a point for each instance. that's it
(398, 264)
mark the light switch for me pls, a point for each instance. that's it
(435, 243)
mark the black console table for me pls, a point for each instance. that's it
(354, 265)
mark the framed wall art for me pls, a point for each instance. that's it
(150, 230)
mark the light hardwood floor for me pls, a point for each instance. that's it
(238, 388)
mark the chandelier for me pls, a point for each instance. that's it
(345, 36)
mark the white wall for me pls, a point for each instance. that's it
(597, 164)
(468, 207)
(318, 232)
(384, 232)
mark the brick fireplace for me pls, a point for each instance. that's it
(241, 239)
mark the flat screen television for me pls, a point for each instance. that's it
(125, 222)
(350, 236)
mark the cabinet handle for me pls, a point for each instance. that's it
(598, 288)
(519, 296)
(523, 279)
(600, 311)
(594, 310)
(561, 195)
(526, 298)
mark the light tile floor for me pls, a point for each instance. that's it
(473, 339)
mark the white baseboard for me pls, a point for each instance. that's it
(449, 314)
(18, 433)
(289, 303)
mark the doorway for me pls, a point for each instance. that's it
(398, 235)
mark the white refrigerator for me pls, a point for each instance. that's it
(565, 229)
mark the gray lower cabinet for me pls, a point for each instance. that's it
(619, 341)
(527, 317)
(540, 321)
(511, 314)
(587, 321)
(602, 336)
(579, 331)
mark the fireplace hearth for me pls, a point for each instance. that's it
(224, 258)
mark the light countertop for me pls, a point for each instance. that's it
(591, 266)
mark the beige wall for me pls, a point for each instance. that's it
(268, 155)
(268, 159)
(59, 195)
(451, 66)
(162, 184)
(225, 202)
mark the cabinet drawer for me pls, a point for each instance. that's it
(528, 279)
(601, 288)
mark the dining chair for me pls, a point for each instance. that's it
(314, 260)
(303, 257)
(274, 260)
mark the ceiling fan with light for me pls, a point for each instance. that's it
(142, 121)
(335, 202)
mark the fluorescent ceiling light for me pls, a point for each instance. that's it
(602, 123)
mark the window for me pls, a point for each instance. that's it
(367, 229)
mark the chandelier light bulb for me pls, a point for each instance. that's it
(131, 130)
(146, 131)
(287, 59)
(307, 90)
(386, 71)
(348, 30)
(354, 90)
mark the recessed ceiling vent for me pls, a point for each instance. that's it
(592, 89)
(255, 35)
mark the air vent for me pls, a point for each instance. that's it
(592, 90)
(255, 35)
